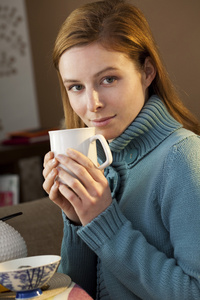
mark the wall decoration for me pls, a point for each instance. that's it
(12, 42)
(18, 102)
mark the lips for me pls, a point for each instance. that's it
(102, 121)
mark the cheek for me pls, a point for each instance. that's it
(77, 106)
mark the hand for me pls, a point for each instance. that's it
(89, 193)
(51, 186)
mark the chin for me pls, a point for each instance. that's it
(110, 137)
(108, 134)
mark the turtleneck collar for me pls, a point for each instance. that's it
(150, 127)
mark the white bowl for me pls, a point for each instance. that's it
(27, 275)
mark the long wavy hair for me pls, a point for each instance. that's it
(118, 26)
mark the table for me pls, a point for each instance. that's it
(61, 287)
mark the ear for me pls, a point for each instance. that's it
(149, 72)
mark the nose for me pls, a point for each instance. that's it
(93, 100)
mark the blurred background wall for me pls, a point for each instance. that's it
(176, 28)
(175, 25)
(18, 103)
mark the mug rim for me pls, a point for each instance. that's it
(72, 129)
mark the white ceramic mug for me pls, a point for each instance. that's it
(82, 140)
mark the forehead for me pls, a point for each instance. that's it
(91, 58)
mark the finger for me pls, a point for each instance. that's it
(50, 165)
(67, 192)
(50, 179)
(78, 163)
(47, 157)
(55, 195)
(80, 172)
(80, 158)
(73, 185)
(54, 191)
(92, 180)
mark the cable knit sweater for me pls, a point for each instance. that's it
(146, 244)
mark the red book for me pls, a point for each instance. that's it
(27, 136)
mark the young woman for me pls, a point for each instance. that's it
(132, 232)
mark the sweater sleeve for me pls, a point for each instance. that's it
(78, 260)
(135, 269)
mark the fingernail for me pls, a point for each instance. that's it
(70, 151)
(59, 156)
(53, 172)
(53, 161)
(55, 185)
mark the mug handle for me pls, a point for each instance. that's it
(106, 149)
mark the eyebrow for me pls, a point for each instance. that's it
(95, 75)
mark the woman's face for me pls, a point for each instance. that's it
(105, 89)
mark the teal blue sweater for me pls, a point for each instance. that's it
(146, 244)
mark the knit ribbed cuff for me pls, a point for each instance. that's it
(103, 227)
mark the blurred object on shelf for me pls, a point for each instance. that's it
(9, 189)
(31, 178)
(27, 136)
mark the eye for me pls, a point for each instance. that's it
(75, 87)
(109, 80)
